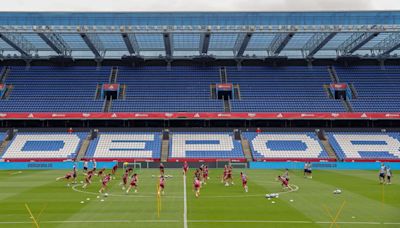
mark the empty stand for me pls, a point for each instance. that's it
(365, 145)
(377, 89)
(125, 146)
(153, 89)
(282, 89)
(192, 89)
(204, 146)
(54, 89)
(301, 146)
(44, 146)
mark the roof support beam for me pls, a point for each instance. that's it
(279, 42)
(317, 41)
(205, 42)
(389, 44)
(56, 42)
(241, 43)
(94, 43)
(355, 42)
(131, 43)
(19, 43)
(168, 44)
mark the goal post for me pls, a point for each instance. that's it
(239, 165)
(136, 166)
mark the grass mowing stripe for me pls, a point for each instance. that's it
(226, 206)
(371, 188)
(209, 221)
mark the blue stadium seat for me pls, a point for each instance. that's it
(125, 145)
(44, 145)
(377, 88)
(287, 145)
(282, 89)
(204, 145)
(54, 89)
(182, 89)
(365, 145)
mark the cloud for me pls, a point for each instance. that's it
(198, 5)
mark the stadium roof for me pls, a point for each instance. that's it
(186, 34)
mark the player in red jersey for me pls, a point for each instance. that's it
(161, 185)
(196, 187)
(161, 169)
(88, 178)
(105, 181)
(223, 178)
(101, 172)
(197, 174)
(244, 181)
(133, 184)
(68, 176)
(125, 179)
(114, 170)
(206, 173)
(229, 176)
(185, 168)
(285, 182)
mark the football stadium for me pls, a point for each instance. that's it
(200, 119)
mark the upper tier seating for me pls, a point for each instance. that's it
(365, 145)
(282, 89)
(187, 89)
(44, 145)
(377, 89)
(285, 145)
(54, 89)
(125, 145)
(204, 145)
(154, 89)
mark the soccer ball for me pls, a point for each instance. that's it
(105, 194)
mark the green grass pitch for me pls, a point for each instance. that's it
(363, 202)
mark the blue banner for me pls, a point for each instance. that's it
(323, 165)
(51, 165)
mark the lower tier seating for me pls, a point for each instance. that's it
(285, 145)
(204, 145)
(125, 145)
(48, 145)
(365, 145)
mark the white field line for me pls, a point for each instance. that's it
(185, 222)
(206, 221)
(14, 173)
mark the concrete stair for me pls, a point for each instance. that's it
(246, 150)
(84, 147)
(164, 150)
(325, 143)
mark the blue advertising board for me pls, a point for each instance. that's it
(50, 165)
(323, 165)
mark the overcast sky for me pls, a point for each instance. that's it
(197, 5)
